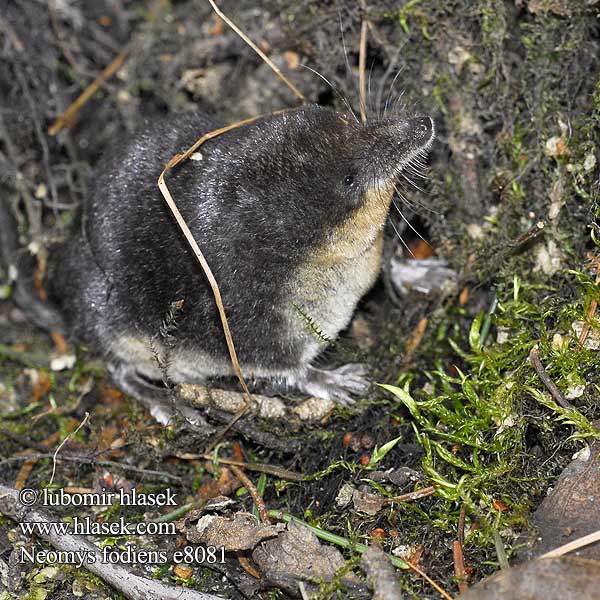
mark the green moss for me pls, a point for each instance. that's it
(472, 413)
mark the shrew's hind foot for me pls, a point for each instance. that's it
(159, 400)
(339, 385)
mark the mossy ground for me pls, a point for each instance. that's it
(514, 88)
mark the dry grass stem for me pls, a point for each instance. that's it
(175, 160)
(585, 540)
(258, 51)
(67, 117)
(362, 66)
(430, 581)
(58, 449)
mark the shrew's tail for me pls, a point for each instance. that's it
(20, 267)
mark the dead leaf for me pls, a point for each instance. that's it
(183, 571)
(367, 502)
(296, 554)
(239, 532)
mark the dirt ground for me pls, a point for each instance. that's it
(511, 202)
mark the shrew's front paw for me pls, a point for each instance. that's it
(339, 385)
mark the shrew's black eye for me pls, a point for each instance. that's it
(349, 180)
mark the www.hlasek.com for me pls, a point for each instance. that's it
(88, 526)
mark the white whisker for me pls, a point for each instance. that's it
(339, 94)
(412, 182)
(409, 223)
(400, 238)
(416, 202)
(387, 99)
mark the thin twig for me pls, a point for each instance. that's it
(87, 460)
(534, 357)
(175, 160)
(258, 501)
(430, 581)
(256, 49)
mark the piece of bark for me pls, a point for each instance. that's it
(564, 578)
(367, 502)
